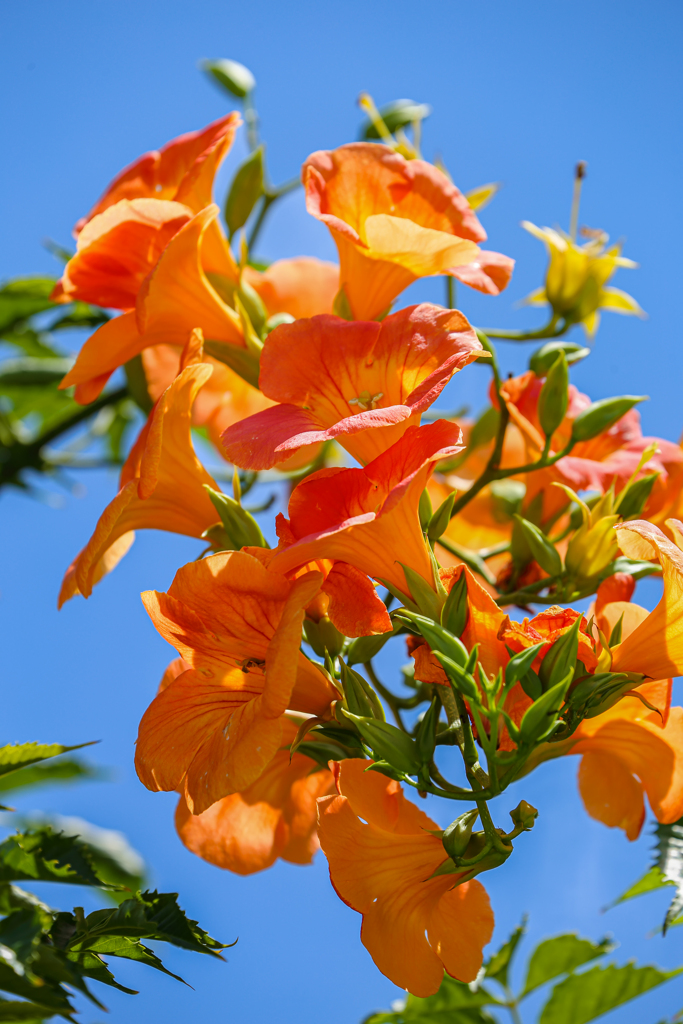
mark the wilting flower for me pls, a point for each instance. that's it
(123, 236)
(302, 286)
(381, 858)
(369, 517)
(274, 817)
(214, 729)
(161, 487)
(363, 383)
(176, 298)
(576, 281)
(394, 220)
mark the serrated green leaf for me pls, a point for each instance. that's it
(583, 997)
(47, 856)
(19, 755)
(560, 955)
(652, 880)
(155, 915)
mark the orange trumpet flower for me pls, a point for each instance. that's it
(217, 726)
(123, 236)
(161, 487)
(381, 857)
(175, 298)
(655, 647)
(183, 170)
(302, 286)
(274, 817)
(394, 220)
(369, 517)
(362, 383)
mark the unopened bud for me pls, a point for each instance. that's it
(602, 415)
(458, 834)
(524, 815)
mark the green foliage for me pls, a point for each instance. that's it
(45, 954)
(23, 298)
(578, 997)
(602, 415)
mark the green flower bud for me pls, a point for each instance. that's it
(602, 415)
(388, 743)
(458, 834)
(240, 527)
(359, 696)
(560, 658)
(524, 815)
(231, 75)
(543, 358)
(554, 396)
(245, 191)
(456, 612)
(438, 524)
(425, 510)
(461, 680)
(540, 719)
(545, 553)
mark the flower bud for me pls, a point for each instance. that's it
(426, 733)
(359, 696)
(240, 527)
(231, 75)
(561, 657)
(543, 358)
(602, 415)
(245, 191)
(438, 638)
(388, 743)
(592, 548)
(461, 680)
(456, 612)
(438, 524)
(554, 396)
(425, 510)
(545, 553)
(524, 815)
(540, 719)
(458, 834)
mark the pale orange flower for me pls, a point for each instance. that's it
(213, 730)
(302, 286)
(161, 487)
(381, 857)
(361, 383)
(394, 220)
(275, 817)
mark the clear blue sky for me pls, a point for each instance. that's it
(520, 92)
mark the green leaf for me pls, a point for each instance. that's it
(498, 966)
(651, 881)
(20, 755)
(364, 648)
(22, 298)
(31, 343)
(231, 75)
(560, 955)
(31, 372)
(67, 770)
(583, 997)
(80, 315)
(454, 1003)
(245, 191)
(28, 1012)
(43, 855)
(163, 919)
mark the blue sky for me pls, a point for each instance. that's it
(519, 93)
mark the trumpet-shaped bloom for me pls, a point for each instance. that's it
(381, 857)
(369, 517)
(274, 817)
(363, 383)
(655, 647)
(217, 726)
(182, 171)
(161, 487)
(302, 286)
(117, 249)
(175, 298)
(394, 220)
(576, 280)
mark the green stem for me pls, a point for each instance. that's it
(551, 330)
(450, 292)
(251, 120)
(513, 1006)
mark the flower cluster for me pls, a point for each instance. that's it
(438, 535)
